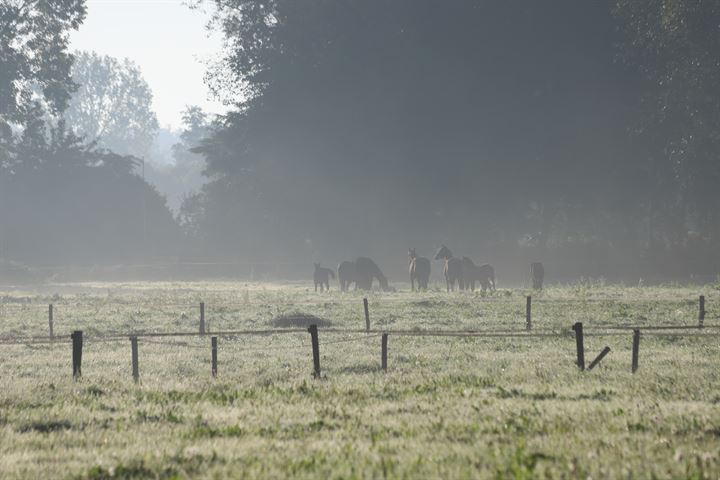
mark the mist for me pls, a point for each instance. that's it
(582, 135)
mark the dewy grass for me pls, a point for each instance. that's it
(446, 408)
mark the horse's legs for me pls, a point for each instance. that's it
(316, 286)
(412, 283)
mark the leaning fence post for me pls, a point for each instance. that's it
(701, 312)
(367, 314)
(528, 313)
(77, 342)
(597, 360)
(202, 318)
(50, 321)
(635, 350)
(135, 366)
(578, 327)
(213, 342)
(384, 351)
(315, 350)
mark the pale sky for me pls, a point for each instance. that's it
(165, 38)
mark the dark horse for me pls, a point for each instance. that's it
(362, 272)
(346, 275)
(365, 271)
(419, 270)
(537, 273)
(321, 276)
(485, 274)
(453, 268)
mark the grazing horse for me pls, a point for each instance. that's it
(453, 269)
(321, 276)
(347, 275)
(419, 270)
(365, 271)
(537, 274)
(485, 274)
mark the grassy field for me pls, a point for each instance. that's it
(447, 407)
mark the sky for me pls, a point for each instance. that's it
(166, 39)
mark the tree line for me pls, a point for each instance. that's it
(579, 134)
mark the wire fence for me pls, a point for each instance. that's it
(340, 335)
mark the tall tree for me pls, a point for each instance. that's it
(33, 52)
(445, 122)
(113, 105)
(675, 45)
(34, 36)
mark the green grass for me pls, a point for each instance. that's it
(447, 407)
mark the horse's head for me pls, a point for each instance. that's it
(443, 252)
(411, 253)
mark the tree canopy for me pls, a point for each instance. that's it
(113, 104)
(63, 200)
(482, 124)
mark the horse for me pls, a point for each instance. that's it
(453, 269)
(365, 271)
(346, 275)
(485, 274)
(321, 277)
(419, 269)
(537, 274)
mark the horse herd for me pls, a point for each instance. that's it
(462, 271)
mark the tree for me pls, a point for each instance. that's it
(675, 44)
(67, 203)
(34, 36)
(432, 121)
(112, 105)
(63, 201)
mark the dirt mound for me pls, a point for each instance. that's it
(299, 319)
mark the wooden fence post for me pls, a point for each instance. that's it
(635, 350)
(315, 350)
(50, 321)
(701, 312)
(213, 341)
(597, 360)
(367, 314)
(135, 366)
(77, 342)
(528, 313)
(384, 351)
(578, 327)
(202, 318)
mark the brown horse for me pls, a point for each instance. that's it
(485, 274)
(453, 269)
(419, 270)
(321, 276)
(365, 271)
(347, 273)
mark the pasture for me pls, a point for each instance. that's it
(446, 407)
